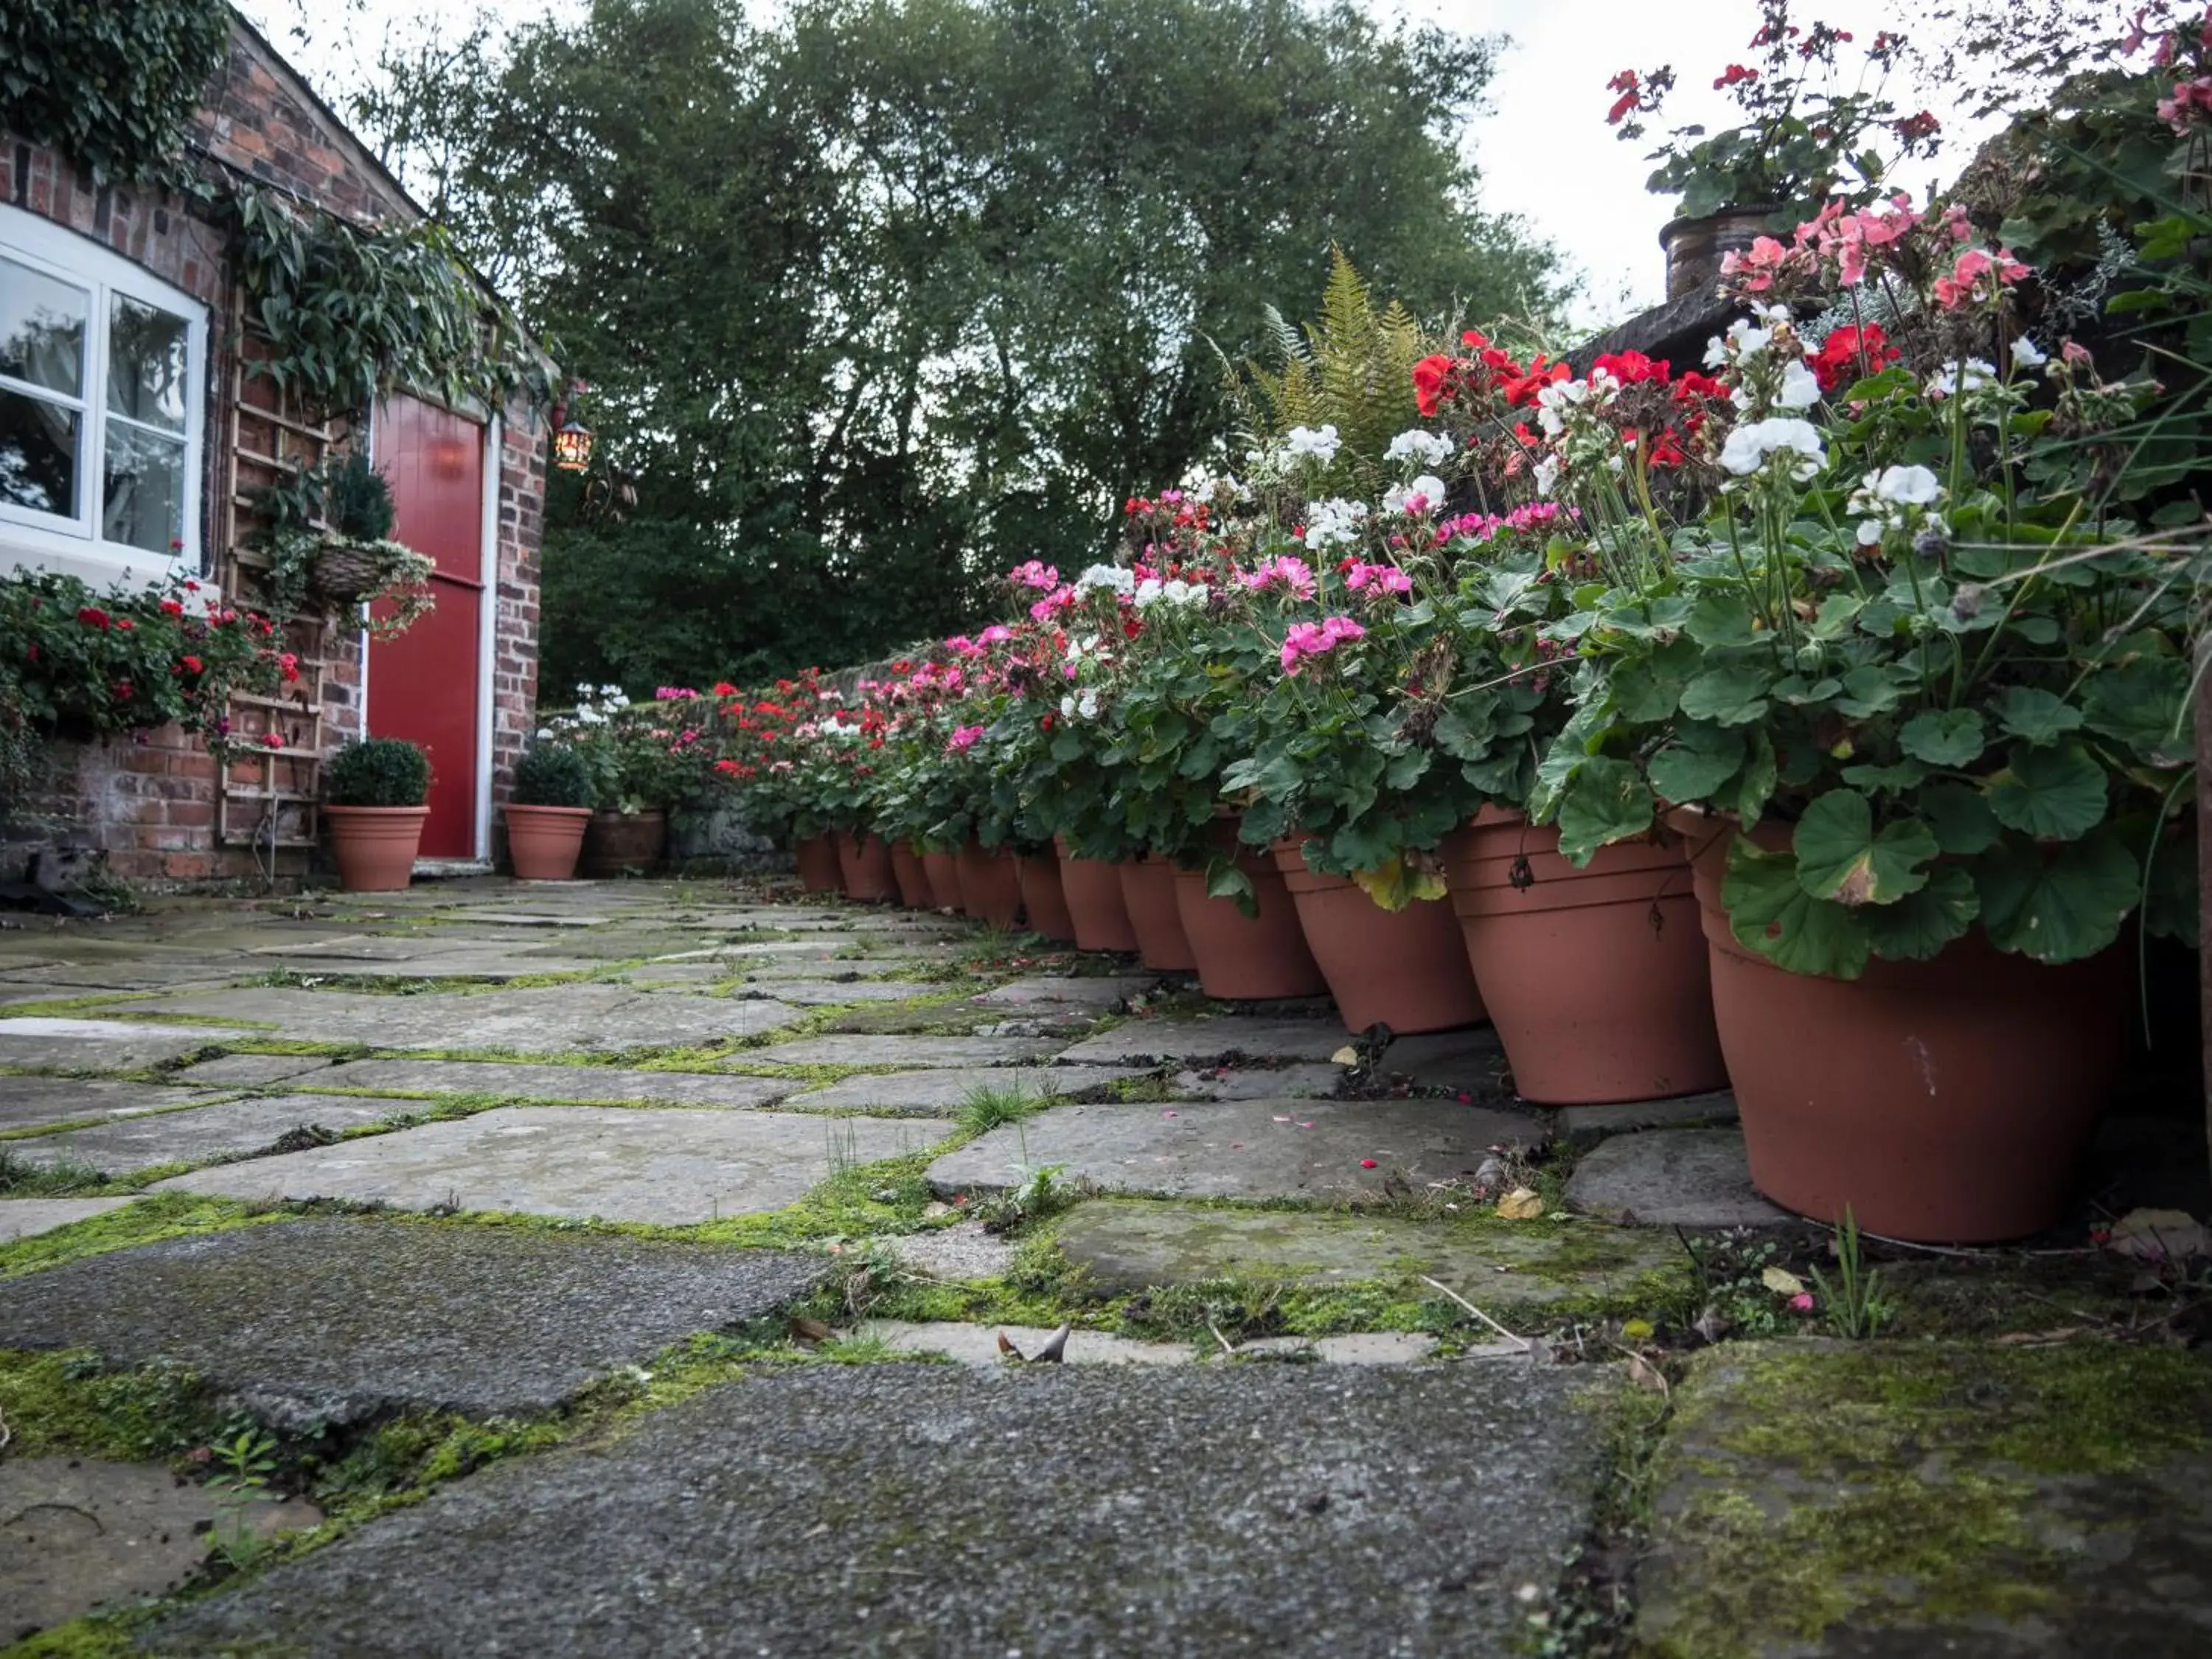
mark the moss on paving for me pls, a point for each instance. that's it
(1905, 1476)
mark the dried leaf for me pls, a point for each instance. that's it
(1783, 1282)
(1645, 1374)
(1712, 1324)
(1347, 1055)
(1522, 1204)
(935, 1208)
(808, 1332)
(1004, 1346)
(1054, 1348)
(2159, 1236)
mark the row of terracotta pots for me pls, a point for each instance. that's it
(376, 846)
(1947, 1100)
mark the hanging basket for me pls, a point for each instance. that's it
(346, 572)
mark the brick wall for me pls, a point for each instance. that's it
(152, 805)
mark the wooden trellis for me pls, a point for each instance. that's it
(269, 797)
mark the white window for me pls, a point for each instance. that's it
(103, 371)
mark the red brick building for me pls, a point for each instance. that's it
(157, 477)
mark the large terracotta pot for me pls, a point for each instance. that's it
(865, 863)
(990, 885)
(375, 846)
(1403, 969)
(943, 869)
(913, 880)
(1096, 909)
(1945, 1101)
(543, 842)
(1148, 894)
(1243, 957)
(617, 842)
(1043, 898)
(1695, 247)
(1595, 979)
(818, 868)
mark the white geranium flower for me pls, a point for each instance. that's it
(1750, 445)
(1870, 532)
(1106, 576)
(1744, 339)
(1087, 706)
(2025, 353)
(1067, 707)
(1428, 489)
(1547, 474)
(1320, 443)
(1148, 593)
(1908, 486)
(1429, 448)
(1800, 387)
(1179, 591)
(1333, 521)
(1971, 375)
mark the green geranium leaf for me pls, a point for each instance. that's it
(1841, 856)
(1962, 819)
(2035, 716)
(1770, 912)
(1920, 924)
(2170, 904)
(1720, 617)
(1835, 617)
(1756, 785)
(1606, 801)
(1647, 689)
(2052, 794)
(1944, 737)
(1734, 695)
(1867, 690)
(1899, 778)
(1704, 758)
(2142, 704)
(2058, 908)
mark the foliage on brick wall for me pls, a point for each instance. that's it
(112, 82)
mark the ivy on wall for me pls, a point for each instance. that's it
(112, 82)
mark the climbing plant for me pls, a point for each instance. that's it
(112, 82)
(347, 311)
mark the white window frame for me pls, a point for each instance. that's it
(30, 539)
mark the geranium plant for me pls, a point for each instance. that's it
(1803, 134)
(642, 756)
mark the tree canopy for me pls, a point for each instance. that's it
(887, 296)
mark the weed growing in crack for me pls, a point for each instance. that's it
(20, 1178)
(1853, 1303)
(245, 1461)
(989, 1107)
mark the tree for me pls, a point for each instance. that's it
(894, 293)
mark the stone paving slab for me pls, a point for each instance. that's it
(835, 993)
(908, 1052)
(1308, 1080)
(978, 1344)
(673, 1169)
(1131, 1245)
(231, 1129)
(104, 1045)
(966, 1249)
(28, 1101)
(1256, 1149)
(1586, 1123)
(946, 1090)
(585, 1084)
(1102, 995)
(251, 1071)
(1672, 1178)
(938, 1510)
(77, 1535)
(27, 1218)
(548, 1018)
(1825, 1501)
(1151, 1042)
(338, 1320)
(1470, 1061)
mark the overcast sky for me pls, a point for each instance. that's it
(1544, 149)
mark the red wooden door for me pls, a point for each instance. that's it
(425, 684)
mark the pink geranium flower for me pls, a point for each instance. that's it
(1316, 639)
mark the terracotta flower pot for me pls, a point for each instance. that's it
(865, 863)
(1242, 957)
(616, 842)
(943, 869)
(375, 846)
(1403, 969)
(1043, 898)
(543, 842)
(913, 880)
(990, 885)
(1695, 247)
(1096, 907)
(1149, 896)
(818, 868)
(1595, 978)
(1945, 1100)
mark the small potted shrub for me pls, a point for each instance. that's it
(374, 791)
(547, 813)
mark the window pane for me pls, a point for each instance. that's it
(38, 454)
(41, 329)
(145, 489)
(146, 361)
